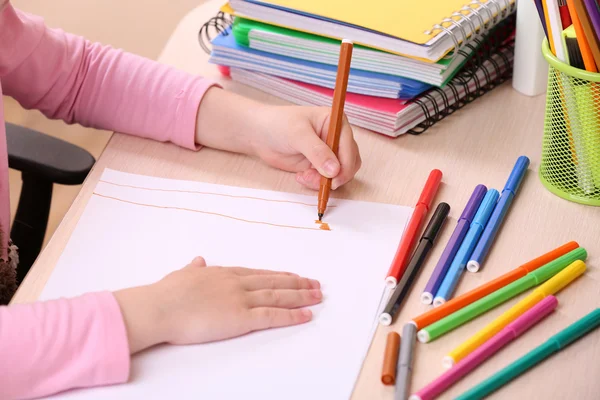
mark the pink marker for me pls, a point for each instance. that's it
(488, 349)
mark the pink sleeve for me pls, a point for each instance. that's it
(49, 347)
(66, 77)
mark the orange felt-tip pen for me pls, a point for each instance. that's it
(336, 119)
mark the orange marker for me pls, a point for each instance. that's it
(410, 235)
(588, 30)
(459, 302)
(335, 121)
(390, 359)
(584, 46)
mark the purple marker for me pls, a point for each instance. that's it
(453, 244)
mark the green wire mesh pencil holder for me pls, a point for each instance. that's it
(570, 166)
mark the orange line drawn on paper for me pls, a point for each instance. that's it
(207, 212)
(211, 194)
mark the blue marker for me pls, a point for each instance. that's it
(466, 248)
(462, 227)
(491, 229)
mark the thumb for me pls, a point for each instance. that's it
(198, 262)
(319, 155)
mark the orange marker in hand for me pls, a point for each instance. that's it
(335, 121)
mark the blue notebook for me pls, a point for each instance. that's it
(226, 51)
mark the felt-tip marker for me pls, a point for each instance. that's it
(491, 229)
(425, 244)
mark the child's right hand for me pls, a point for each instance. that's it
(199, 304)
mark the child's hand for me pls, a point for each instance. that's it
(294, 139)
(199, 304)
(291, 138)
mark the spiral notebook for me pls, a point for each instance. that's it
(309, 47)
(226, 51)
(419, 29)
(393, 117)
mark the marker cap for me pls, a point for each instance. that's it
(562, 279)
(517, 174)
(486, 207)
(577, 329)
(436, 221)
(473, 203)
(430, 189)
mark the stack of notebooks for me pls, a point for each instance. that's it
(413, 62)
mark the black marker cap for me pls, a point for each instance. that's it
(436, 222)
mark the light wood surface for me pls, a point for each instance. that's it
(478, 144)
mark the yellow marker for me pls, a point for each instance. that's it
(549, 27)
(552, 286)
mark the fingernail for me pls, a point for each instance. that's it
(330, 167)
(316, 293)
(314, 284)
(306, 312)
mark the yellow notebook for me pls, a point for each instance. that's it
(400, 26)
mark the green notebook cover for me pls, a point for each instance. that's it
(242, 28)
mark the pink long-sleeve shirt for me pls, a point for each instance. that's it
(48, 347)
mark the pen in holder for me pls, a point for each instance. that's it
(570, 166)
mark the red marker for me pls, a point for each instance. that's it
(410, 235)
(565, 16)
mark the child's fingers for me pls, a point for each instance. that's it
(346, 175)
(260, 282)
(348, 155)
(198, 262)
(248, 271)
(284, 298)
(317, 152)
(265, 317)
(309, 178)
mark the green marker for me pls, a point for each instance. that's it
(498, 297)
(556, 343)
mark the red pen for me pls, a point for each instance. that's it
(565, 16)
(411, 233)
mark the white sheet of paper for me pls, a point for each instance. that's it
(131, 233)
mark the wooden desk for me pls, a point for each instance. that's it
(478, 144)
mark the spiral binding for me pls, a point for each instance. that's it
(482, 48)
(459, 35)
(444, 107)
(220, 23)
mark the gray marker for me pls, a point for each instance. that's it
(405, 361)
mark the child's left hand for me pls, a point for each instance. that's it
(290, 138)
